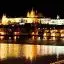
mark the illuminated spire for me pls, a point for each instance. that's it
(4, 16)
(28, 14)
(58, 17)
(32, 9)
(32, 14)
(4, 19)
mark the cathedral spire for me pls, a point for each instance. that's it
(58, 17)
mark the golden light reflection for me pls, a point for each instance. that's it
(30, 51)
(50, 50)
(38, 50)
(42, 48)
(10, 50)
(16, 50)
(3, 51)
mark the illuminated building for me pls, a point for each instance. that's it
(6, 20)
(33, 17)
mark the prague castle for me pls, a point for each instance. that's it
(32, 17)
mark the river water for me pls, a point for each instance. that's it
(28, 50)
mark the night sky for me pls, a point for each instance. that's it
(49, 8)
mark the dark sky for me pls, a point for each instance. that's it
(49, 8)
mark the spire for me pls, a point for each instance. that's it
(32, 9)
(58, 17)
(32, 13)
(28, 14)
(4, 15)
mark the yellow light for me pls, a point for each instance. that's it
(32, 17)
(4, 20)
(46, 31)
(1, 37)
(36, 33)
(10, 50)
(52, 34)
(3, 51)
(16, 50)
(15, 37)
(32, 33)
(28, 14)
(62, 34)
(16, 33)
(44, 34)
(53, 31)
(2, 33)
(62, 39)
(29, 51)
(57, 34)
(31, 14)
(38, 38)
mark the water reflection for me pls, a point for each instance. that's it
(28, 51)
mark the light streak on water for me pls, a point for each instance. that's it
(3, 51)
(29, 51)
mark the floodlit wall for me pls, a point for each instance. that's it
(6, 20)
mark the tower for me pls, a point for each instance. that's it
(4, 19)
(58, 17)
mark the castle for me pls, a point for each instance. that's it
(32, 17)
